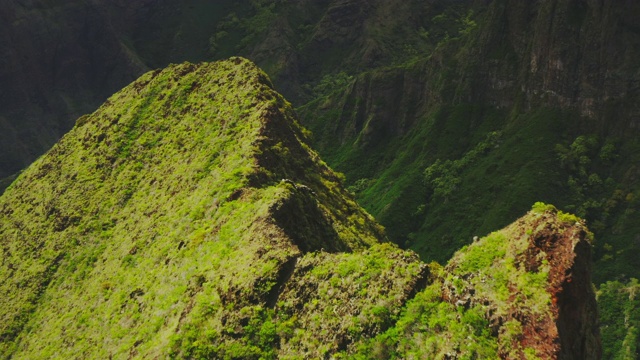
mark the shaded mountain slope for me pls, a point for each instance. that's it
(63, 58)
(620, 319)
(520, 103)
(60, 60)
(385, 98)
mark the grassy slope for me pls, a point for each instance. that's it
(491, 190)
(494, 188)
(187, 218)
(399, 198)
(158, 219)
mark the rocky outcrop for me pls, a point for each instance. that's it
(523, 292)
(550, 301)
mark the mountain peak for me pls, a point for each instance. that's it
(534, 279)
(523, 292)
(191, 175)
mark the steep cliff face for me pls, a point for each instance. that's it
(519, 293)
(513, 56)
(562, 53)
(545, 245)
(550, 82)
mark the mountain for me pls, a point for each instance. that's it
(187, 217)
(190, 182)
(521, 292)
(448, 118)
(389, 89)
(64, 58)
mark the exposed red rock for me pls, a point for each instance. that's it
(559, 322)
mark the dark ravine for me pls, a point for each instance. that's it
(61, 59)
(544, 75)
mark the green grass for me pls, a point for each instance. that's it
(188, 218)
(154, 222)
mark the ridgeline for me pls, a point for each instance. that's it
(188, 218)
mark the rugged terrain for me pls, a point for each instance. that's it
(448, 118)
(389, 89)
(522, 102)
(187, 217)
(188, 192)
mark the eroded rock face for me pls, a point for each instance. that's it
(551, 300)
(563, 53)
(566, 54)
(573, 329)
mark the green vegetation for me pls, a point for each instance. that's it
(142, 222)
(443, 177)
(409, 159)
(187, 218)
(475, 307)
(442, 135)
(620, 319)
(462, 171)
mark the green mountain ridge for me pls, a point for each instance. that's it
(386, 99)
(187, 218)
(448, 118)
(206, 165)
